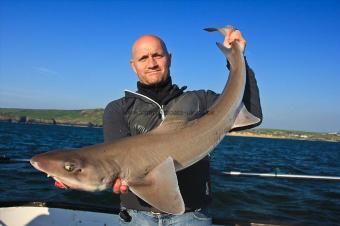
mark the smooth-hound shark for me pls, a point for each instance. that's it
(148, 162)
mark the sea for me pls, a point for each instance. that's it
(235, 198)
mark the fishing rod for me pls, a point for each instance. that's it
(4, 159)
(280, 175)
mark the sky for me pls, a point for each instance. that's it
(75, 54)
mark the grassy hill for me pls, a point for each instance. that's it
(288, 134)
(86, 117)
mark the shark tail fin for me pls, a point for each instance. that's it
(222, 30)
(245, 118)
(160, 188)
(210, 29)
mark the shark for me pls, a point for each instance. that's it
(148, 162)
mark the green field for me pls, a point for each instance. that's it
(86, 117)
(294, 134)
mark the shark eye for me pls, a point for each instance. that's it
(69, 166)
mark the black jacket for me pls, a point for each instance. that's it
(136, 113)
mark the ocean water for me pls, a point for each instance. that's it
(236, 199)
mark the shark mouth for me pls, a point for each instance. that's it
(58, 183)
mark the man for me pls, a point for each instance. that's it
(144, 110)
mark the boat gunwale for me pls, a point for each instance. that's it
(114, 211)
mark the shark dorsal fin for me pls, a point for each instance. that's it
(160, 188)
(170, 126)
(179, 113)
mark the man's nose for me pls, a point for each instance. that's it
(152, 63)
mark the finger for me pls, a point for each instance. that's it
(237, 36)
(123, 186)
(117, 185)
(229, 31)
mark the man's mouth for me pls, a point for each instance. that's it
(151, 72)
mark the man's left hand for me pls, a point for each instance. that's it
(234, 35)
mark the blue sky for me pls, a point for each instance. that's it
(75, 54)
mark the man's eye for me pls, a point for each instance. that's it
(158, 56)
(142, 59)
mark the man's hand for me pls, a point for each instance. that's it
(234, 34)
(120, 186)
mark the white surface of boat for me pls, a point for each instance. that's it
(60, 214)
(44, 216)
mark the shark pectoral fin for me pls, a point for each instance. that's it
(245, 118)
(160, 188)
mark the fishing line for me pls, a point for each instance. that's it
(4, 159)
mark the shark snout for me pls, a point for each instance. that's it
(34, 163)
(39, 163)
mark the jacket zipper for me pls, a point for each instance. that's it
(161, 108)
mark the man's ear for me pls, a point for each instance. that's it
(170, 57)
(132, 63)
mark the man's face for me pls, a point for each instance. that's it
(150, 60)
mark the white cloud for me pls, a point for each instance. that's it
(45, 71)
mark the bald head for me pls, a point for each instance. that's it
(150, 59)
(146, 40)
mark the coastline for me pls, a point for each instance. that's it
(258, 133)
(320, 137)
(33, 122)
(93, 118)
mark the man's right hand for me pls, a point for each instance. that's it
(120, 186)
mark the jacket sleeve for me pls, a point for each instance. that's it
(114, 123)
(251, 97)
